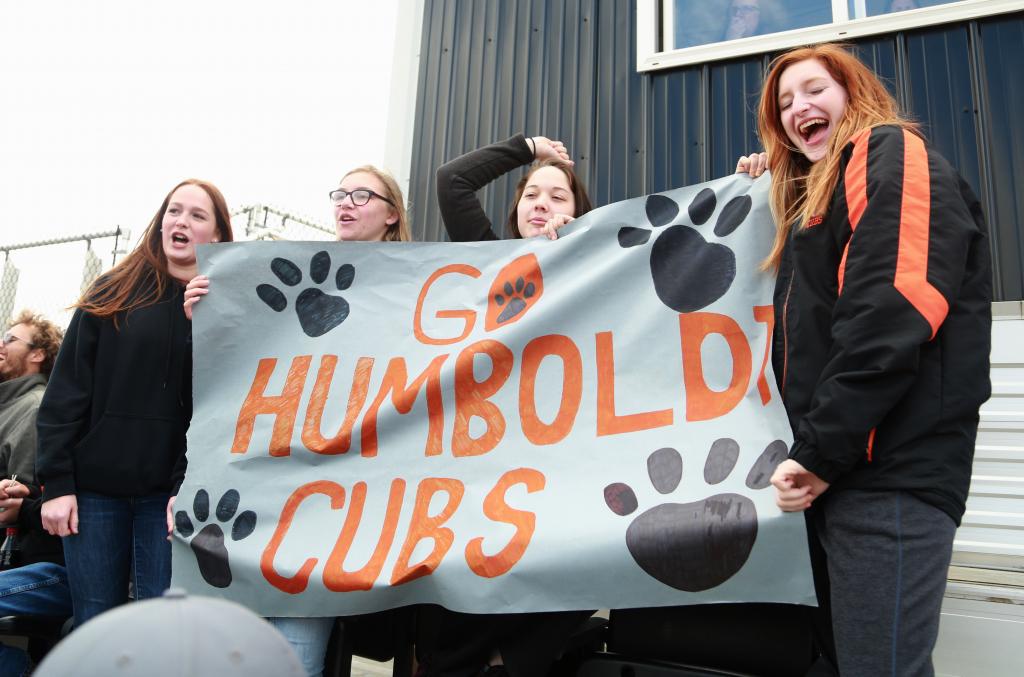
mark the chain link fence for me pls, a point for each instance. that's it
(260, 222)
(47, 276)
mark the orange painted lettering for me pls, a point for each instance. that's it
(284, 407)
(312, 438)
(335, 576)
(468, 317)
(765, 314)
(422, 525)
(489, 566)
(609, 422)
(536, 430)
(471, 398)
(702, 403)
(293, 585)
(403, 398)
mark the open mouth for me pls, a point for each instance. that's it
(179, 238)
(346, 218)
(814, 130)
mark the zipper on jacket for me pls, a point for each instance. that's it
(785, 336)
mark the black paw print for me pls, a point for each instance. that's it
(695, 546)
(208, 545)
(318, 312)
(689, 272)
(513, 299)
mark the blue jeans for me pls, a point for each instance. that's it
(308, 637)
(117, 537)
(14, 662)
(39, 589)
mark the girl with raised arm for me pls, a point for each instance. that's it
(547, 197)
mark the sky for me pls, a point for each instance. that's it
(109, 104)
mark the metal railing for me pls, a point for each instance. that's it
(48, 276)
(269, 223)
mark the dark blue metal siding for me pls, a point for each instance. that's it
(999, 61)
(617, 167)
(568, 70)
(491, 69)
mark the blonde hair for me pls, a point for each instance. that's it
(399, 231)
(801, 189)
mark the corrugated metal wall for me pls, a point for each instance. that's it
(567, 70)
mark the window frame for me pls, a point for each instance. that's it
(654, 25)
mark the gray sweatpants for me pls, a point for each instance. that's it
(888, 557)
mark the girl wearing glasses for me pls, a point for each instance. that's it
(112, 421)
(368, 207)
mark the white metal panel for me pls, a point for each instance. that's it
(980, 632)
(992, 533)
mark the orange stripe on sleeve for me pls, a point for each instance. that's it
(856, 191)
(915, 217)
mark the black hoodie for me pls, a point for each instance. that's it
(115, 412)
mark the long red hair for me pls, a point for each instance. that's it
(142, 278)
(799, 188)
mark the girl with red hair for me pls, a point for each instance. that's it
(883, 325)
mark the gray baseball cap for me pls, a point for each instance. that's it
(174, 636)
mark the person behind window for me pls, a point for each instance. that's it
(902, 5)
(743, 20)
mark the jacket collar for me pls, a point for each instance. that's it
(16, 387)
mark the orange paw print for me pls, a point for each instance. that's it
(516, 289)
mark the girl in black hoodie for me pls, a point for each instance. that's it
(112, 422)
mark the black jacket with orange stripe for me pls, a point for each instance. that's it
(883, 325)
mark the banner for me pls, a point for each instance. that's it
(522, 425)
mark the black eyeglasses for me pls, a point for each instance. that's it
(9, 338)
(360, 196)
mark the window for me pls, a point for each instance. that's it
(679, 32)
